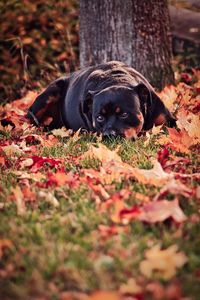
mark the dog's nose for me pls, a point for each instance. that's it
(109, 133)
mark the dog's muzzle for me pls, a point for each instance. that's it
(109, 133)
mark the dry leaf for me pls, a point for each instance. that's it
(33, 176)
(180, 141)
(19, 197)
(62, 132)
(191, 123)
(169, 96)
(49, 197)
(151, 212)
(175, 187)
(131, 287)
(5, 244)
(104, 295)
(160, 211)
(73, 296)
(26, 163)
(164, 262)
(103, 154)
(156, 176)
(11, 149)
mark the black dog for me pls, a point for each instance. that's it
(112, 99)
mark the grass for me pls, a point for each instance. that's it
(56, 249)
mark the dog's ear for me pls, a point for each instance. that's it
(153, 109)
(87, 103)
(46, 109)
(145, 98)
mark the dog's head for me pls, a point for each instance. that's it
(116, 112)
(124, 110)
(120, 110)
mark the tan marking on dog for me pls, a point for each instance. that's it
(140, 117)
(130, 133)
(47, 121)
(133, 132)
(118, 110)
(103, 111)
(161, 119)
(139, 127)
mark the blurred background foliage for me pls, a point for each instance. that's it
(38, 42)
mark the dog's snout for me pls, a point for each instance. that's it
(109, 133)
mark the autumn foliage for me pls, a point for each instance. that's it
(121, 186)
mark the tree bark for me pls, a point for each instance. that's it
(133, 31)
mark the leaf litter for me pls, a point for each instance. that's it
(140, 203)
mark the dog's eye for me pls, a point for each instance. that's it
(123, 115)
(100, 118)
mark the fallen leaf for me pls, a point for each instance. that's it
(151, 212)
(5, 244)
(190, 123)
(19, 197)
(165, 262)
(131, 287)
(12, 149)
(49, 197)
(155, 176)
(68, 295)
(169, 96)
(157, 290)
(62, 132)
(160, 211)
(180, 141)
(104, 295)
(60, 178)
(26, 162)
(174, 187)
(39, 161)
(103, 154)
(33, 176)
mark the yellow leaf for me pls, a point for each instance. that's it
(103, 154)
(164, 262)
(21, 208)
(62, 132)
(131, 287)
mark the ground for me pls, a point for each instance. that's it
(86, 219)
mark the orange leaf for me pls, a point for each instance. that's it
(180, 141)
(104, 295)
(169, 96)
(191, 123)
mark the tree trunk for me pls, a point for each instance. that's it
(133, 31)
